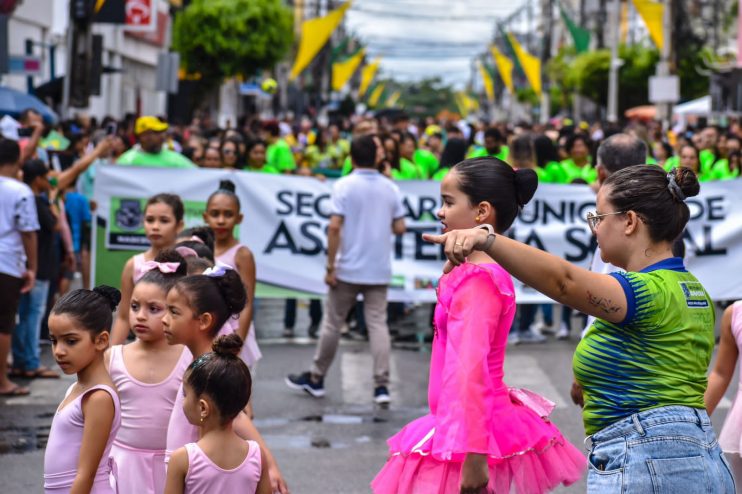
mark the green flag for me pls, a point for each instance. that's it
(580, 35)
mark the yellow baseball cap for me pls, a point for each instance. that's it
(144, 124)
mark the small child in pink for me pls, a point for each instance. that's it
(480, 435)
(730, 346)
(216, 389)
(83, 429)
(147, 374)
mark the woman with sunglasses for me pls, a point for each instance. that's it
(230, 153)
(642, 364)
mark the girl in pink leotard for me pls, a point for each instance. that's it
(480, 436)
(217, 387)
(147, 374)
(77, 453)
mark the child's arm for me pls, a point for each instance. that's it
(244, 428)
(264, 486)
(177, 468)
(245, 262)
(98, 411)
(725, 362)
(121, 325)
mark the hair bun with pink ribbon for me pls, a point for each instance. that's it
(163, 267)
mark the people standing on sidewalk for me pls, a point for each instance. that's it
(18, 244)
(642, 364)
(26, 351)
(359, 248)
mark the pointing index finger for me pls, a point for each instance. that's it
(435, 239)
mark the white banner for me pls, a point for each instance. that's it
(285, 220)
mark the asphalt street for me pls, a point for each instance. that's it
(331, 445)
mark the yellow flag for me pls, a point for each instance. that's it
(375, 96)
(314, 35)
(393, 99)
(504, 67)
(652, 12)
(489, 86)
(343, 71)
(624, 29)
(461, 104)
(367, 75)
(531, 64)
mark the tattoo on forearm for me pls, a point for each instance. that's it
(604, 303)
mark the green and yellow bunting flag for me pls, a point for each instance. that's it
(489, 86)
(375, 95)
(314, 35)
(531, 64)
(580, 35)
(652, 12)
(367, 76)
(392, 100)
(343, 71)
(504, 67)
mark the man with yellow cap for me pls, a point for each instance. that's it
(150, 133)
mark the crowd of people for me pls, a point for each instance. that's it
(188, 300)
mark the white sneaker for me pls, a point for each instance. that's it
(563, 333)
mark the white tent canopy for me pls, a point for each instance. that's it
(696, 107)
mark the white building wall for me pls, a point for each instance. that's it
(46, 21)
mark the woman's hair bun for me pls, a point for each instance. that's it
(171, 255)
(526, 183)
(228, 345)
(111, 294)
(227, 185)
(687, 180)
(232, 291)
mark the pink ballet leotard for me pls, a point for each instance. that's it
(139, 447)
(205, 477)
(179, 431)
(471, 408)
(63, 448)
(139, 269)
(250, 352)
(730, 437)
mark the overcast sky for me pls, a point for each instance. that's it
(425, 38)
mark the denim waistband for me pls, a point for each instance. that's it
(637, 422)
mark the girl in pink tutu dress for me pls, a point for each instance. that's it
(147, 374)
(730, 345)
(480, 435)
(77, 454)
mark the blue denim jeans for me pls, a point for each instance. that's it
(26, 334)
(666, 450)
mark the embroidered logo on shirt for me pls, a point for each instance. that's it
(695, 295)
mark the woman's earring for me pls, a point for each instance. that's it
(202, 419)
(477, 219)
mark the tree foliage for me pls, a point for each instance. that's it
(426, 97)
(225, 38)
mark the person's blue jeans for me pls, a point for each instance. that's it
(666, 450)
(26, 335)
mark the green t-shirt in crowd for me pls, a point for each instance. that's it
(164, 159)
(481, 151)
(279, 156)
(721, 171)
(671, 162)
(347, 166)
(426, 161)
(588, 173)
(263, 169)
(707, 159)
(658, 356)
(407, 171)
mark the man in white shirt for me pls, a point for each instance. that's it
(18, 225)
(366, 210)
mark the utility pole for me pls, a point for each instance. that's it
(615, 63)
(547, 12)
(663, 67)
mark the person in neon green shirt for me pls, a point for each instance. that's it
(494, 145)
(256, 159)
(150, 132)
(547, 159)
(278, 154)
(578, 165)
(408, 168)
(707, 143)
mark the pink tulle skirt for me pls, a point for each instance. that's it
(528, 456)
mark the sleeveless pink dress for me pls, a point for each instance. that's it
(139, 270)
(250, 352)
(179, 431)
(139, 447)
(63, 448)
(205, 477)
(730, 437)
(471, 409)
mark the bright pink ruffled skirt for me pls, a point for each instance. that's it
(530, 456)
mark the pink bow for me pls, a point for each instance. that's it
(164, 267)
(196, 239)
(186, 251)
(535, 402)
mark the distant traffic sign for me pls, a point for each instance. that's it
(24, 64)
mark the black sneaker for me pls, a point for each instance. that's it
(313, 330)
(303, 382)
(381, 395)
